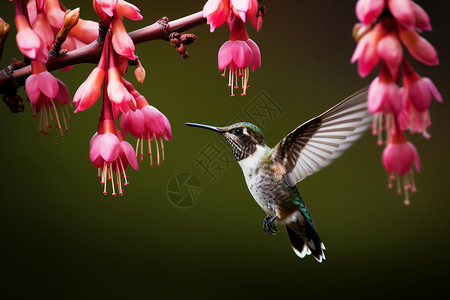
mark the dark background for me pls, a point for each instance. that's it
(61, 238)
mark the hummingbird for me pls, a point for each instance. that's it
(271, 174)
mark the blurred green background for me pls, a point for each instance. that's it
(61, 238)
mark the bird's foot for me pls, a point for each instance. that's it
(269, 225)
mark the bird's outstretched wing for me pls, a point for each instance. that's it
(316, 143)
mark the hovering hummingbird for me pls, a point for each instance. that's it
(272, 173)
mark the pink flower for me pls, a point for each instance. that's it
(366, 52)
(239, 53)
(368, 11)
(421, 91)
(111, 154)
(121, 41)
(146, 123)
(384, 95)
(415, 120)
(398, 158)
(117, 92)
(417, 95)
(390, 51)
(419, 47)
(27, 40)
(88, 92)
(44, 83)
(47, 94)
(387, 24)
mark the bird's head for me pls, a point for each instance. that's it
(243, 138)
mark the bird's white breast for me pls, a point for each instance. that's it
(249, 167)
(249, 164)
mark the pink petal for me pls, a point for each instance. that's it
(241, 5)
(216, 12)
(55, 17)
(28, 42)
(92, 139)
(43, 29)
(121, 41)
(117, 92)
(39, 3)
(94, 146)
(129, 154)
(135, 123)
(69, 43)
(383, 97)
(224, 56)
(399, 158)
(109, 147)
(123, 124)
(240, 14)
(368, 10)
(360, 48)
(259, 23)
(421, 17)
(416, 158)
(42, 54)
(128, 10)
(390, 50)
(366, 51)
(374, 99)
(403, 12)
(154, 121)
(32, 11)
(32, 88)
(241, 53)
(85, 31)
(419, 95)
(251, 15)
(433, 89)
(88, 93)
(403, 119)
(63, 93)
(167, 129)
(48, 84)
(210, 7)
(256, 58)
(419, 47)
(117, 110)
(107, 6)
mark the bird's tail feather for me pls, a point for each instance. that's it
(305, 240)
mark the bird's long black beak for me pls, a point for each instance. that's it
(216, 129)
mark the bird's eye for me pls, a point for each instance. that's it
(239, 131)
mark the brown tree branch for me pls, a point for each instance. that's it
(10, 78)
